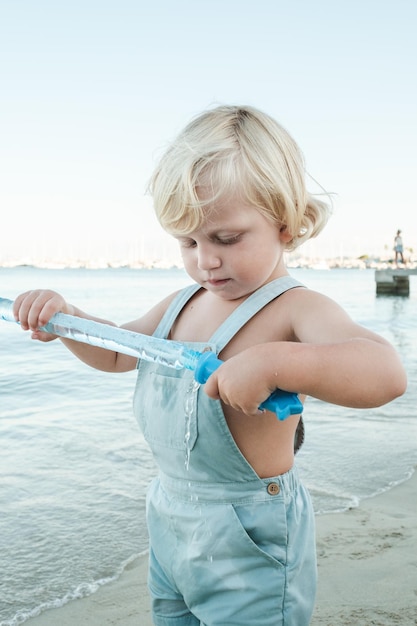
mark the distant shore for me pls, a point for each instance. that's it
(366, 563)
(361, 263)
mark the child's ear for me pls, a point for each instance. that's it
(284, 234)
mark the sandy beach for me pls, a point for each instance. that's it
(367, 560)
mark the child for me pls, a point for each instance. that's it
(231, 527)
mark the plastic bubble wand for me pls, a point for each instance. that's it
(162, 351)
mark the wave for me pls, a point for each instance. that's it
(81, 591)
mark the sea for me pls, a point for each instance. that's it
(74, 467)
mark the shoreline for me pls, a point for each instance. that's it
(366, 563)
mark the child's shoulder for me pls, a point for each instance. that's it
(304, 299)
(299, 304)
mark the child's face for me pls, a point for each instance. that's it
(235, 251)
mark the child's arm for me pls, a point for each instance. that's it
(331, 358)
(34, 309)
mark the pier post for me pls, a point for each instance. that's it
(392, 282)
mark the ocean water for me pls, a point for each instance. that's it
(74, 467)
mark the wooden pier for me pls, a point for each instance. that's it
(394, 282)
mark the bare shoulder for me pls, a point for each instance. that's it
(316, 318)
(303, 296)
(298, 307)
(147, 323)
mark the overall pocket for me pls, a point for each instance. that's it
(264, 527)
(165, 406)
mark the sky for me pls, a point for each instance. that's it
(92, 91)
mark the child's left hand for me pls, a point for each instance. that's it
(241, 382)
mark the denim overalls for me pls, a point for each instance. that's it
(227, 548)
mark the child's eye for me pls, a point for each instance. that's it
(228, 241)
(187, 243)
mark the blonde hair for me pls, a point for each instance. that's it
(236, 150)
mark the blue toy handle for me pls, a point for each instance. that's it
(282, 403)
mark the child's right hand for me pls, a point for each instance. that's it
(34, 309)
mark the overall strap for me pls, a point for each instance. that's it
(237, 319)
(249, 308)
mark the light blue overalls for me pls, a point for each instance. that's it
(227, 548)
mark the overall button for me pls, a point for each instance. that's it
(273, 489)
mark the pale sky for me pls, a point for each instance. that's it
(92, 91)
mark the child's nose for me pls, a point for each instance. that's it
(208, 258)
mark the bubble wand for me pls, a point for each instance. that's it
(162, 351)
